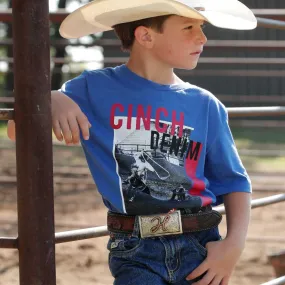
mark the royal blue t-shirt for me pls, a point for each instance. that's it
(154, 147)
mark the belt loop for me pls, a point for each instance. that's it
(136, 231)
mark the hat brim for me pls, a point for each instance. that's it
(102, 15)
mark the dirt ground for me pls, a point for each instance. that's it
(85, 262)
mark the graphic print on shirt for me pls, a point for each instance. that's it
(151, 155)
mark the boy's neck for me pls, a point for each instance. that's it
(150, 69)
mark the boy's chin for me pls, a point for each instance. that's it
(189, 66)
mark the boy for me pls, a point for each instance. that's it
(141, 109)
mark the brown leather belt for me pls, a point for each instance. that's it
(119, 223)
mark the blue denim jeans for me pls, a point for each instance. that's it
(157, 260)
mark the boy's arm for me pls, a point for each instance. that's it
(223, 255)
(67, 120)
(238, 208)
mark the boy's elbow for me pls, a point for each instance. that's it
(56, 93)
(11, 132)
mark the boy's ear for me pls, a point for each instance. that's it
(144, 36)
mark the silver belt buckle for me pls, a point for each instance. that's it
(160, 225)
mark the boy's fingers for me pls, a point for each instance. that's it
(65, 130)
(225, 281)
(11, 130)
(217, 280)
(75, 132)
(202, 268)
(207, 279)
(84, 125)
(57, 130)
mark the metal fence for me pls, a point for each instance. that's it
(34, 172)
(83, 234)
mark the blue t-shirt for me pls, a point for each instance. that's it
(154, 147)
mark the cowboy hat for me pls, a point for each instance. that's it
(102, 15)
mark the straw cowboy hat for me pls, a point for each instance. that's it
(102, 15)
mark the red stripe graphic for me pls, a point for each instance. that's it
(198, 184)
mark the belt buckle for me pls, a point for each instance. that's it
(160, 225)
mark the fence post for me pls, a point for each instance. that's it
(36, 241)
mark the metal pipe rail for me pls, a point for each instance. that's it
(203, 60)
(8, 242)
(277, 14)
(214, 72)
(246, 44)
(257, 203)
(256, 111)
(35, 200)
(83, 234)
(224, 98)
(278, 281)
(8, 114)
(260, 45)
(271, 24)
(232, 72)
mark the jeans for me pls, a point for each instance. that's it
(157, 260)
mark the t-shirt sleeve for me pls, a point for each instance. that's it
(76, 89)
(223, 167)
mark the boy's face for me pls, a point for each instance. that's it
(181, 43)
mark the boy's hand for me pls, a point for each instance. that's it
(11, 130)
(220, 262)
(68, 119)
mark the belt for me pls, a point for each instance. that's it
(164, 224)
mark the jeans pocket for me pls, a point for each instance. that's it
(202, 250)
(120, 245)
(200, 239)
